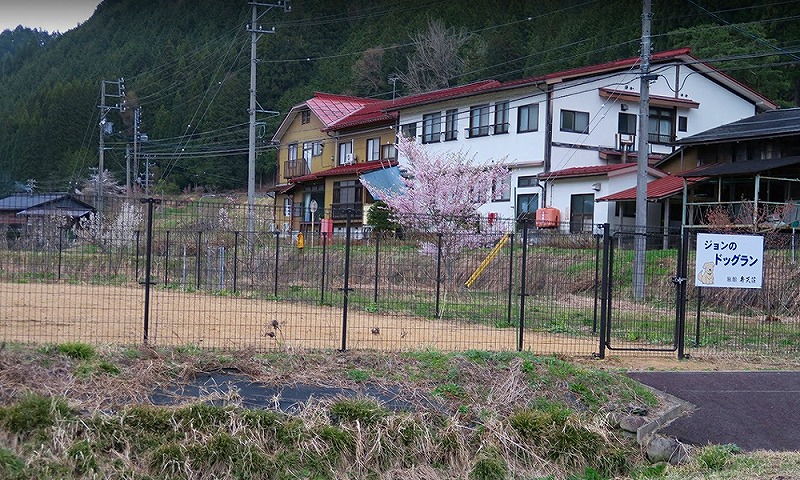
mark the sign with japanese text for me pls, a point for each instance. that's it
(735, 261)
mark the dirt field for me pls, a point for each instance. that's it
(96, 314)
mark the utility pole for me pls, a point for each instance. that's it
(640, 237)
(136, 119)
(255, 32)
(106, 127)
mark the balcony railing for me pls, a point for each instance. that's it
(339, 211)
(295, 168)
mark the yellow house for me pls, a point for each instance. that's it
(325, 144)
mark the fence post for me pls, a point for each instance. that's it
(148, 264)
(522, 289)
(680, 324)
(236, 258)
(377, 250)
(197, 254)
(137, 255)
(61, 232)
(346, 288)
(438, 274)
(596, 279)
(322, 280)
(510, 276)
(166, 262)
(605, 280)
(277, 259)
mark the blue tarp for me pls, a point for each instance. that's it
(383, 180)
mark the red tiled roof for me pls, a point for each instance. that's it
(601, 67)
(585, 171)
(657, 189)
(368, 114)
(353, 168)
(442, 94)
(330, 108)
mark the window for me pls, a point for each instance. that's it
(315, 192)
(501, 190)
(431, 127)
(451, 125)
(388, 151)
(572, 121)
(528, 118)
(526, 181)
(627, 123)
(526, 206)
(346, 196)
(581, 214)
(501, 117)
(661, 124)
(346, 153)
(305, 117)
(682, 123)
(318, 146)
(373, 149)
(409, 130)
(479, 121)
(292, 151)
(308, 150)
(287, 207)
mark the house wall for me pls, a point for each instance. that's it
(526, 151)
(299, 133)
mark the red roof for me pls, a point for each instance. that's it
(601, 67)
(442, 94)
(585, 171)
(330, 108)
(353, 168)
(658, 189)
(371, 113)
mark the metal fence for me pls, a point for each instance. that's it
(177, 273)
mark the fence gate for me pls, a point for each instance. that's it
(647, 315)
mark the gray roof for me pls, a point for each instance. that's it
(740, 168)
(50, 201)
(773, 123)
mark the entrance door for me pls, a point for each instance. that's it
(526, 207)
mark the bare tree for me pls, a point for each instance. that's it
(436, 60)
(368, 71)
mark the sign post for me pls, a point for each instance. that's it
(733, 261)
(313, 207)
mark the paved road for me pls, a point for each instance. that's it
(754, 410)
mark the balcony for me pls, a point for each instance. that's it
(295, 168)
(339, 211)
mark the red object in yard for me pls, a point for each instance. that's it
(547, 217)
(326, 229)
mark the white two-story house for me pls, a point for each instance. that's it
(565, 135)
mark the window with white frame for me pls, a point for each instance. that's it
(287, 207)
(431, 127)
(528, 118)
(501, 190)
(501, 117)
(373, 149)
(527, 181)
(346, 153)
(318, 147)
(451, 125)
(308, 152)
(479, 121)
(291, 151)
(573, 121)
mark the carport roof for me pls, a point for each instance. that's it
(740, 168)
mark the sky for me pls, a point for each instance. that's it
(50, 15)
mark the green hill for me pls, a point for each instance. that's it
(186, 64)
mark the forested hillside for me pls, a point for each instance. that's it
(186, 64)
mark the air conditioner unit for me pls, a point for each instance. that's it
(348, 159)
(625, 139)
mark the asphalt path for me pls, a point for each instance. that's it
(754, 410)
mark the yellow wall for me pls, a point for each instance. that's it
(681, 163)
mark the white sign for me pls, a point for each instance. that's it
(735, 261)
